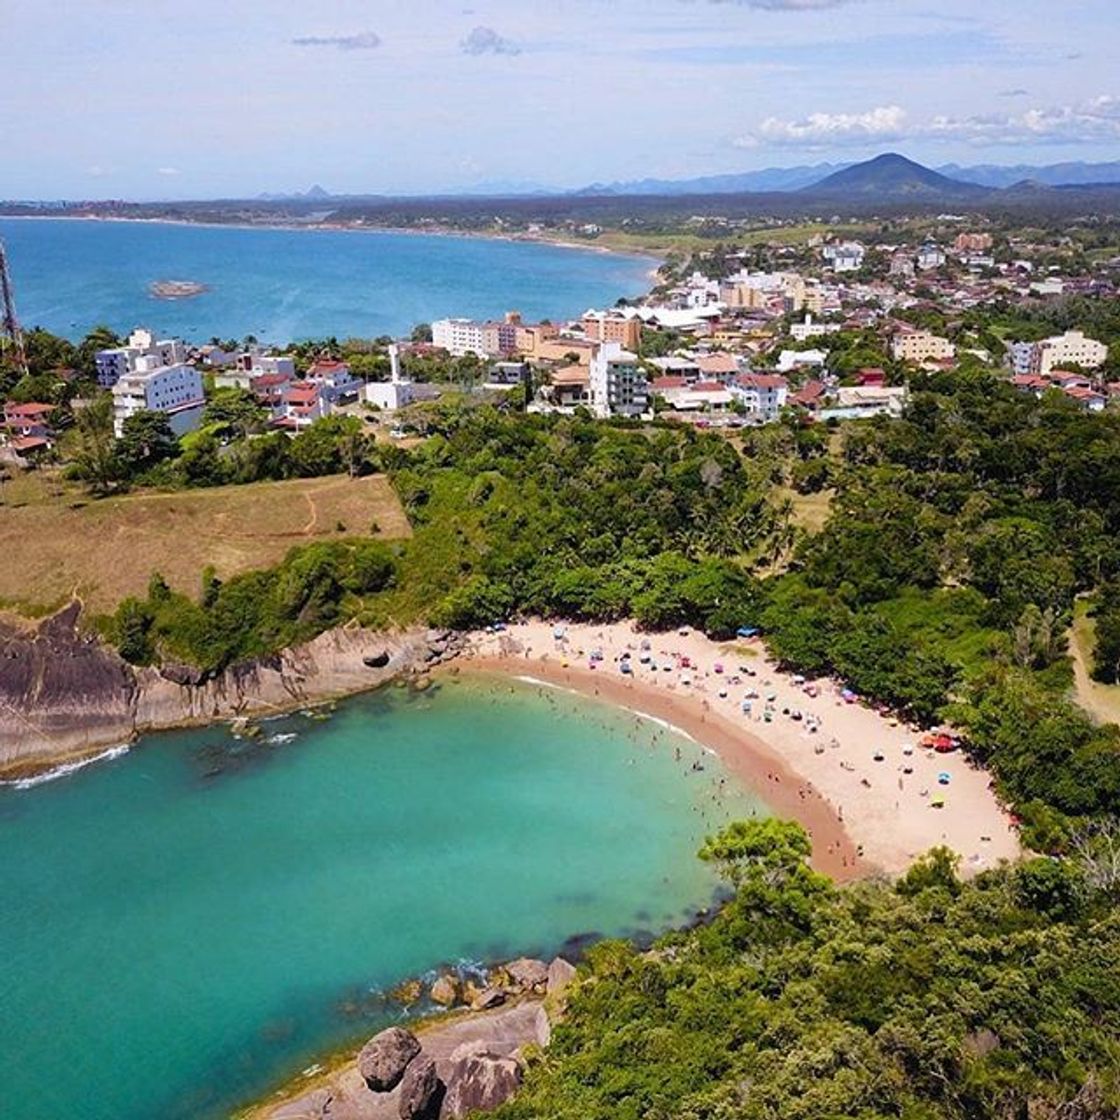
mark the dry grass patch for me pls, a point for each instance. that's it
(62, 543)
(1102, 701)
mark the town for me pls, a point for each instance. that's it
(834, 329)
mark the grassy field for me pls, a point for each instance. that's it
(57, 542)
(810, 511)
(1099, 700)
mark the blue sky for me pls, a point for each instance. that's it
(206, 98)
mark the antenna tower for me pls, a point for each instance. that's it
(9, 324)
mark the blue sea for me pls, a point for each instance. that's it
(286, 285)
(185, 925)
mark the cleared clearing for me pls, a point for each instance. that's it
(1100, 700)
(56, 542)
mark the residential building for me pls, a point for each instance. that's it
(507, 373)
(929, 257)
(844, 256)
(303, 403)
(761, 395)
(611, 326)
(618, 384)
(250, 366)
(1065, 350)
(859, 402)
(336, 383)
(114, 363)
(269, 390)
(799, 332)
(460, 337)
(175, 390)
(973, 242)
(795, 359)
(568, 387)
(693, 396)
(920, 346)
(28, 427)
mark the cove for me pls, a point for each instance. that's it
(185, 925)
(284, 285)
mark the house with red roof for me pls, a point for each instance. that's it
(761, 395)
(302, 404)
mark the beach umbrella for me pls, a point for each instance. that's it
(943, 778)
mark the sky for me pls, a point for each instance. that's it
(161, 99)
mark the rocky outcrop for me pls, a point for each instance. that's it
(422, 1091)
(446, 991)
(560, 974)
(480, 1082)
(384, 1059)
(64, 694)
(527, 974)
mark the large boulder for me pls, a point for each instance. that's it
(445, 991)
(480, 1082)
(385, 1057)
(421, 1092)
(527, 974)
(488, 998)
(560, 975)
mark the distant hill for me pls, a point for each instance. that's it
(744, 182)
(893, 176)
(1074, 173)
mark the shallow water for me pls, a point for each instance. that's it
(185, 924)
(283, 285)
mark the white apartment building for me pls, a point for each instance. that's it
(930, 257)
(175, 390)
(114, 363)
(794, 359)
(847, 256)
(810, 329)
(921, 346)
(762, 395)
(459, 337)
(618, 384)
(1064, 350)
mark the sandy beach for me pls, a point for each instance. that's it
(872, 798)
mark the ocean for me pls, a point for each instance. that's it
(188, 923)
(285, 285)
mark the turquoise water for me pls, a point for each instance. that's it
(285, 285)
(184, 925)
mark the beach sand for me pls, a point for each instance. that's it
(864, 814)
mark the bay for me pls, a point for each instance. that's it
(287, 284)
(186, 924)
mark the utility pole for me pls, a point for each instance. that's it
(9, 324)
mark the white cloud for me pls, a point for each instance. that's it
(485, 40)
(1093, 121)
(886, 122)
(362, 41)
(168, 171)
(1090, 121)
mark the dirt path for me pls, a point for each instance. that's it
(1102, 701)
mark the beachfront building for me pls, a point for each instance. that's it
(489, 339)
(175, 390)
(114, 363)
(612, 326)
(335, 381)
(618, 384)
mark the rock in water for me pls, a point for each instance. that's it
(560, 975)
(480, 1082)
(385, 1057)
(445, 991)
(421, 1091)
(529, 975)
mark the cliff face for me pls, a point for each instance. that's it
(63, 695)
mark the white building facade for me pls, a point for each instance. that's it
(175, 390)
(618, 384)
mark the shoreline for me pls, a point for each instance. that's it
(648, 255)
(870, 797)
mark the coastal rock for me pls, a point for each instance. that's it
(560, 975)
(528, 974)
(480, 1082)
(386, 1056)
(445, 991)
(487, 998)
(421, 1092)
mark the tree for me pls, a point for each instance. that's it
(95, 454)
(768, 848)
(235, 411)
(146, 439)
